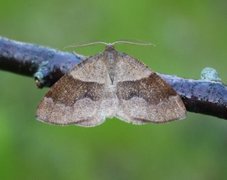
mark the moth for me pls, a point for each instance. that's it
(110, 84)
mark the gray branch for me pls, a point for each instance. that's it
(47, 65)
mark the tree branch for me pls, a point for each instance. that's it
(47, 65)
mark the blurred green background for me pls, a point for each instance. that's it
(189, 35)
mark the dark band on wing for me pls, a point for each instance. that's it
(153, 89)
(69, 90)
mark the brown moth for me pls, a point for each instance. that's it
(110, 84)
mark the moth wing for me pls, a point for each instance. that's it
(76, 97)
(144, 96)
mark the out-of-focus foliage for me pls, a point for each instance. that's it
(189, 35)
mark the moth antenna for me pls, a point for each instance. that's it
(111, 44)
(133, 43)
(87, 44)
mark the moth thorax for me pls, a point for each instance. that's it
(111, 66)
